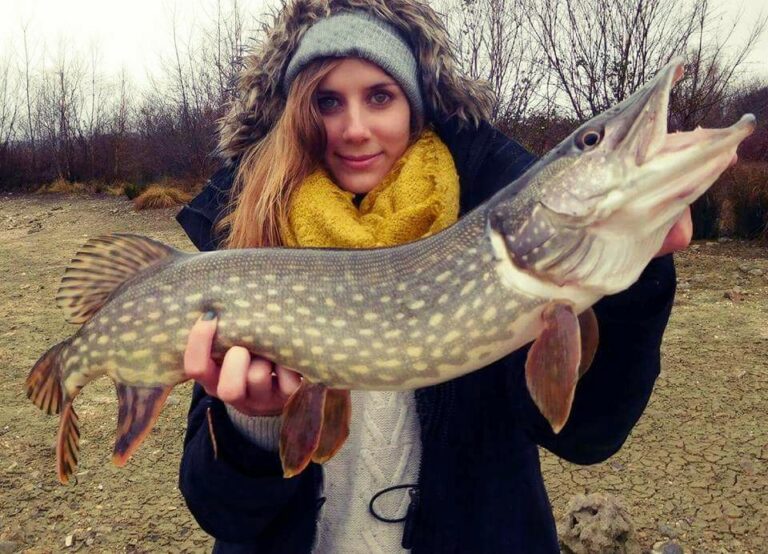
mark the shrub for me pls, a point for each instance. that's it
(116, 189)
(133, 190)
(746, 194)
(706, 213)
(156, 196)
(62, 186)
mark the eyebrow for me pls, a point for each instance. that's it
(382, 84)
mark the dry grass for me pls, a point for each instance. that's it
(62, 186)
(158, 196)
(115, 189)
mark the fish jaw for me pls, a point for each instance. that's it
(593, 216)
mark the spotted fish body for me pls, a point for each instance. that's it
(581, 223)
(397, 318)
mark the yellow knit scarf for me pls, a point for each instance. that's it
(417, 198)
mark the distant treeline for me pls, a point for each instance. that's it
(551, 63)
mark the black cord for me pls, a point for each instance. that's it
(414, 488)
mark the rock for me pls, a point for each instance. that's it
(725, 239)
(695, 247)
(757, 272)
(668, 531)
(667, 547)
(9, 547)
(68, 540)
(699, 278)
(597, 523)
(744, 268)
(734, 295)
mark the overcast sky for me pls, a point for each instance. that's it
(134, 34)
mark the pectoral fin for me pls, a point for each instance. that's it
(552, 367)
(301, 427)
(335, 429)
(590, 338)
(138, 408)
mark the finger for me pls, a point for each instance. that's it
(232, 384)
(198, 364)
(287, 381)
(259, 380)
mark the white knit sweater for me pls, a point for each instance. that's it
(383, 449)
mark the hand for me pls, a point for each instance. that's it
(245, 382)
(679, 236)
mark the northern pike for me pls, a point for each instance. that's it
(526, 265)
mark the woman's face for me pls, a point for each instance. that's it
(367, 123)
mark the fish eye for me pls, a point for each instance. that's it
(589, 138)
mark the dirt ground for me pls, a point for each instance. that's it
(694, 469)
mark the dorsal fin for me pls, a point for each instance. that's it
(102, 265)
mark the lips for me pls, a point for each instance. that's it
(358, 158)
(359, 162)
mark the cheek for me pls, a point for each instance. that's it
(332, 138)
(396, 131)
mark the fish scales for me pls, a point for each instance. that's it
(379, 319)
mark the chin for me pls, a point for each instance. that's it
(358, 185)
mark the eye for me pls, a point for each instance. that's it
(327, 103)
(380, 98)
(589, 138)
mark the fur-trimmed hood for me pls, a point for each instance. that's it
(259, 99)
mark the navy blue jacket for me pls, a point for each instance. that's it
(480, 484)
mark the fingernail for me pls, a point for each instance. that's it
(209, 315)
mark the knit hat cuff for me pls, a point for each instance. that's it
(359, 34)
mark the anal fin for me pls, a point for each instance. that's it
(552, 366)
(138, 408)
(301, 425)
(67, 442)
(335, 428)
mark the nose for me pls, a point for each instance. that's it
(356, 126)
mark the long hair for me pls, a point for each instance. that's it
(273, 168)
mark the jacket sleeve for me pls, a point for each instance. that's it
(613, 394)
(233, 488)
(236, 491)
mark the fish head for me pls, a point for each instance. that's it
(595, 210)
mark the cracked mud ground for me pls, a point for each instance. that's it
(693, 469)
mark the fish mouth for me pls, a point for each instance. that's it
(664, 172)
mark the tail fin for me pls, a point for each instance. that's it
(44, 381)
(67, 443)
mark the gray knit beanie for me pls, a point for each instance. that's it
(362, 35)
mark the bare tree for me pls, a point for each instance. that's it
(9, 109)
(711, 71)
(600, 51)
(494, 44)
(28, 94)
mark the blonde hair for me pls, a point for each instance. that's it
(273, 168)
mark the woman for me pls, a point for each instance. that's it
(352, 128)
